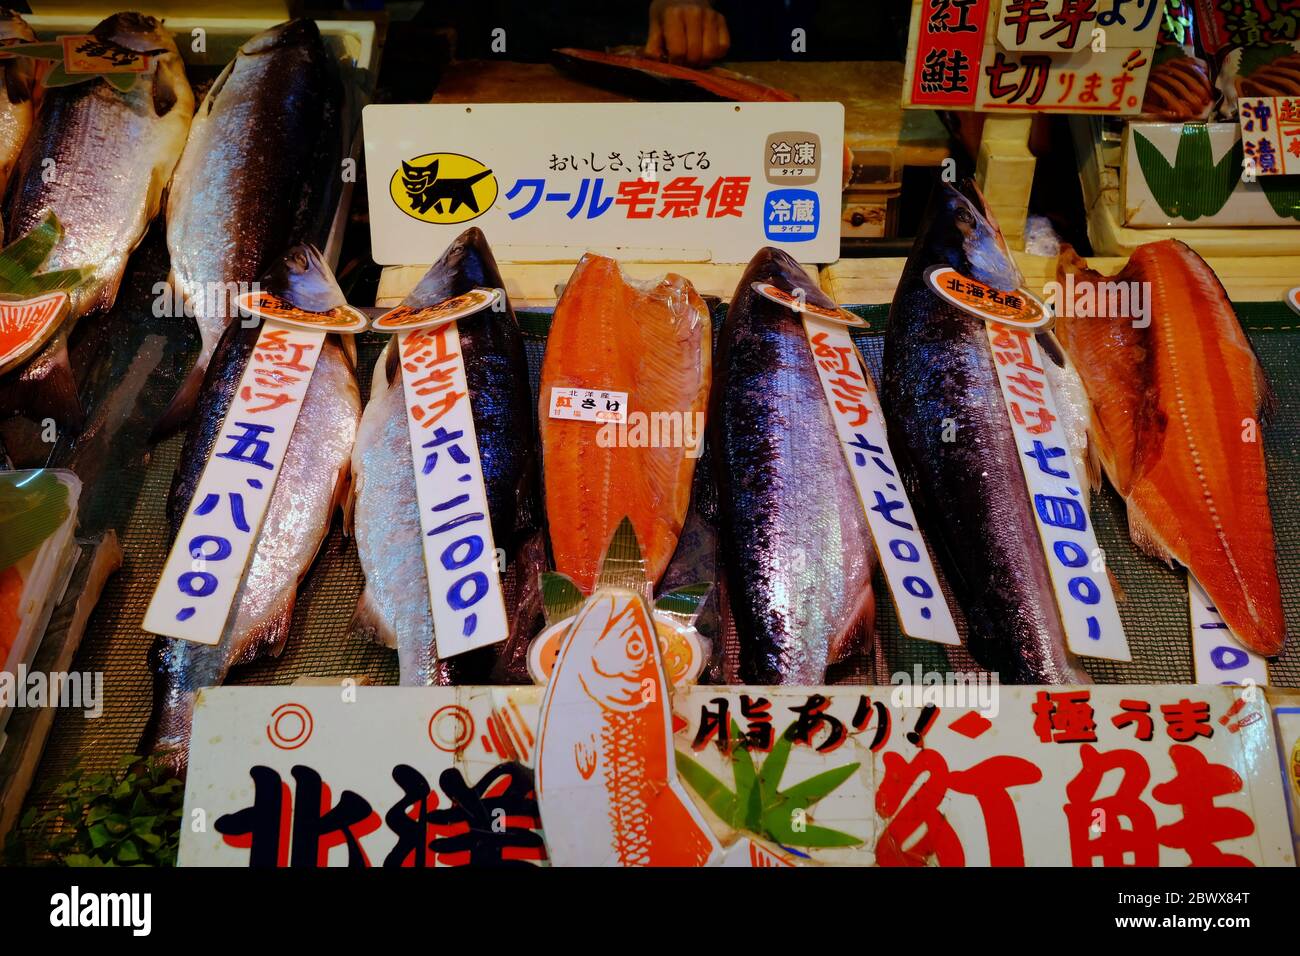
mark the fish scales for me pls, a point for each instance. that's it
(310, 485)
(257, 175)
(394, 608)
(797, 546)
(940, 375)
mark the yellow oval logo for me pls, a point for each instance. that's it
(443, 188)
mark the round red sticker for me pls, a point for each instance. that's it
(798, 302)
(265, 305)
(1018, 307)
(404, 318)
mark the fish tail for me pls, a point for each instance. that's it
(525, 621)
(369, 623)
(186, 398)
(46, 388)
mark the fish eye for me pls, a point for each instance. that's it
(635, 648)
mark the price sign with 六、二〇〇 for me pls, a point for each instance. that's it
(194, 594)
(460, 556)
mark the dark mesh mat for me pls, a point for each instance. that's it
(320, 644)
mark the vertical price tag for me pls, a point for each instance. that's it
(207, 561)
(465, 594)
(1217, 656)
(1082, 587)
(860, 424)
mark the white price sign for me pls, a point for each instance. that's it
(465, 595)
(216, 539)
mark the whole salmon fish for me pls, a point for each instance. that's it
(1173, 402)
(260, 172)
(607, 784)
(394, 607)
(653, 342)
(311, 484)
(970, 494)
(796, 544)
(100, 160)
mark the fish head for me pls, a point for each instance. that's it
(300, 32)
(302, 277)
(136, 31)
(615, 652)
(13, 26)
(962, 233)
(466, 264)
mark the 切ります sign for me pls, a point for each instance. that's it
(1050, 56)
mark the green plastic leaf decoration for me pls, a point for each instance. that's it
(1256, 57)
(1194, 186)
(122, 82)
(32, 506)
(58, 76)
(26, 254)
(683, 604)
(39, 51)
(624, 563)
(1282, 194)
(22, 260)
(560, 596)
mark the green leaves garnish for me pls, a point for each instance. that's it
(128, 816)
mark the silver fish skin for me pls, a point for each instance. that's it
(259, 172)
(113, 155)
(970, 492)
(16, 107)
(796, 544)
(394, 608)
(312, 483)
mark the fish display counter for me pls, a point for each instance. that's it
(613, 503)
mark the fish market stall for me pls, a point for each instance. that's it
(539, 474)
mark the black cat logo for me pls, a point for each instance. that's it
(428, 191)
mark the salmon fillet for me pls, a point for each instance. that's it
(1177, 408)
(653, 342)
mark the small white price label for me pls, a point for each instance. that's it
(598, 405)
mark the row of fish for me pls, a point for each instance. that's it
(795, 550)
(248, 175)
